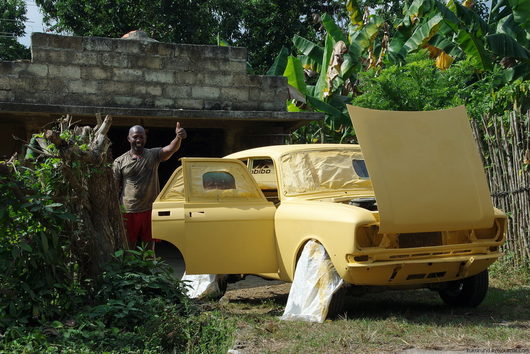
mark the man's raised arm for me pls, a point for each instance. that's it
(174, 145)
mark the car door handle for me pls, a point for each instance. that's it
(164, 213)
(195, 214)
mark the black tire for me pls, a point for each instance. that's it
(336, 305)
(468, 292)
(222, 282)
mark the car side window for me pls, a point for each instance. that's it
(359, 167)
(218, 180)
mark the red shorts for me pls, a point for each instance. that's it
(138, 226)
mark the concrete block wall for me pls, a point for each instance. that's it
(110, 72)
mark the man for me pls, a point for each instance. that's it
(136, 174)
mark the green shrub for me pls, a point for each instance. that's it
(135, 305)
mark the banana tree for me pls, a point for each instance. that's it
(453, 31)
(321, 78)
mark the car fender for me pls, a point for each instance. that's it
(331, 224)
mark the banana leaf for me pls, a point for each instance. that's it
(333, 30)
(308, 63)
(474, 24)
(505, 46)
(321, 83)
(280, 62)
(295, 74)
(521, 13)
(519, 72)
(354, 13)
(337, 116)
(364, 38)
(474, 49)
(308, 48)
(508, 26)
(422, 35)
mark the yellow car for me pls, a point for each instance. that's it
(411, 210)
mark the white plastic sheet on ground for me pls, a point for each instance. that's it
(201, 285)
(315, 282)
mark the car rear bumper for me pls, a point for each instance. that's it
(418, 271)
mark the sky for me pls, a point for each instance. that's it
(34, 22)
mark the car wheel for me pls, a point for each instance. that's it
(222, 283)
(468, 292)
(336, 305)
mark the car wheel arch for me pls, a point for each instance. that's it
(300, 248)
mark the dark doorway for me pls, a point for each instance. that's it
(199, 143)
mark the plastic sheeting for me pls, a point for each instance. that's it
(202, 285)
(317, 171)
(315, 282)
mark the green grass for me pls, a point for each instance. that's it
(393, 321)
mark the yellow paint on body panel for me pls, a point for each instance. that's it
(425, 169)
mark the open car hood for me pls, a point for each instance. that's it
(425, 168)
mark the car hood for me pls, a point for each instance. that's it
(425, 168)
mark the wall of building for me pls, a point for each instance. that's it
(141, 74)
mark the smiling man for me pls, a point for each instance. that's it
(136, 175)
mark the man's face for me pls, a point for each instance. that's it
(137, 138)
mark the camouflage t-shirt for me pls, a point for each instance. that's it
(138, 178)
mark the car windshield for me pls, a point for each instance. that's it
(323, 171)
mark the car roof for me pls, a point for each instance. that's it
(275, 151)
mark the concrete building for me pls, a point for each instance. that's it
(154, 84)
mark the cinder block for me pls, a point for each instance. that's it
(164, 103)
(236, 66)
(177, 64)
(174, 91)
(116, 60)
(128, 101)
(98, 44)
(115, 87)
(189, 104)
(84, 58)
(128, 75)
(5, 83)
(238, 53)
(217, 105)
(273, 82)
(144, 61)
(151, 90)
(6, 96)
(95, 73)
(205, 92)
(247, 80)
(55, 85)
(161, 76)
(65, 42)
(186, 78)
(235, 93)
(210, 64)
(225, 79)
(64, 71)
(38, 70)
(157, 48)
(127, 46)
(82, 86)
(39, 40)
(218, 52)
(273, 106)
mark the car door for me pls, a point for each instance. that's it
(229, 224)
